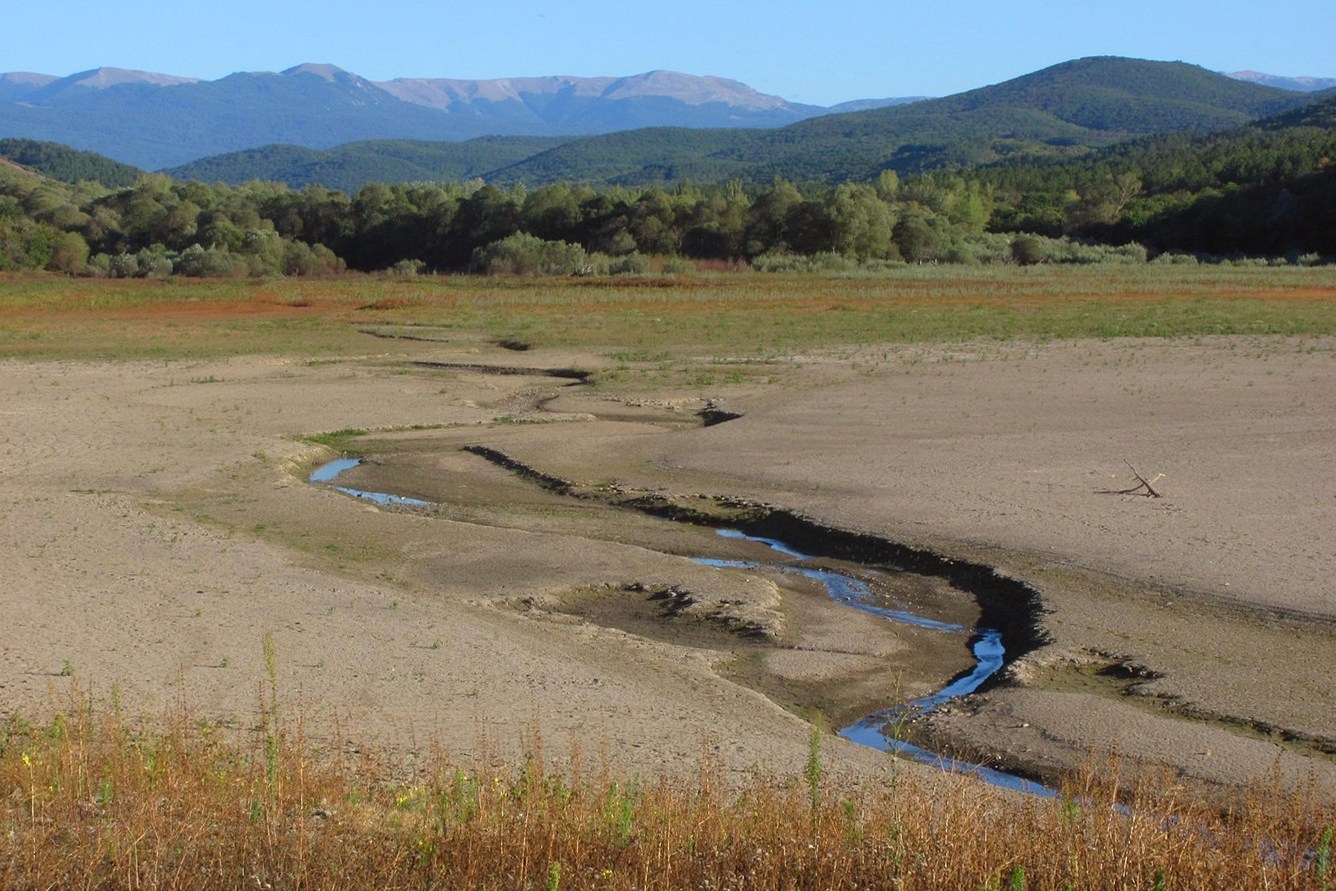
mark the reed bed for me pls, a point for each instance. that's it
(91, 802)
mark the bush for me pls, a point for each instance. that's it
(1174, 259)
(406, 268)
(983, 247)
(214, 262)
(678, 266)
(826, 261)
(69, 254)
(302, 259)
(525, 254)
(1029, 250)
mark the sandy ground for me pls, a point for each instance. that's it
(156, 526)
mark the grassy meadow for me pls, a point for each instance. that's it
(738, 314)
(89, 799)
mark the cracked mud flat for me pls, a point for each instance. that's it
(155, 528)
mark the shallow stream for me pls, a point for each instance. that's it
(878, 730)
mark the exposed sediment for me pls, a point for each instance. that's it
(1009, 605)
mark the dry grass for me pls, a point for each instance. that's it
(91, 803)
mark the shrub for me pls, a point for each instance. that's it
(200, 262)
(407, 268)
(1029, 250)
(525, 254)
(631, 264)
(302, 259)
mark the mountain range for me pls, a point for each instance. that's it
(321, 124)
(1298, 84)
(1059, 112)
(318, 106)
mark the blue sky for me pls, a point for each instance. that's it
(814, 52)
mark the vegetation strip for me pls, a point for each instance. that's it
(98, 802)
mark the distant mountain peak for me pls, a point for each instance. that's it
(691, 89)
(443, 92)
(1302, 84)
(28, 77)
(322, 70)
(102, 78)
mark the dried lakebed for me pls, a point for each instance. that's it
(890, 727)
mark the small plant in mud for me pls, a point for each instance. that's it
(1322, 860)
(620, 810)
(337, 440)
(812, 777)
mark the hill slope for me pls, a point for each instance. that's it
(1059, 112)
(66, 164)
(1267, 188)
(1076, 105)
(349, 167)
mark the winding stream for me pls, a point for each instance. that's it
(987, 646)
(986, 643)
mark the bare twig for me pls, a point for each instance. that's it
(1142, 484)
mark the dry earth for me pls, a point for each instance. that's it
(157, 524)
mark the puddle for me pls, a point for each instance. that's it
(327, 473)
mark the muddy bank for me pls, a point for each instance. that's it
(766, 628)
(1103, 567)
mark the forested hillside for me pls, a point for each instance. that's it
(63, 163)
(351, 166)
(1264, 190)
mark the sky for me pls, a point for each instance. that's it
(812, 52)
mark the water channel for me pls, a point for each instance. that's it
(877, 730)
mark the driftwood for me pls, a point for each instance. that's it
(1142, 484)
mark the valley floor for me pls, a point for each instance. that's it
(156, 525)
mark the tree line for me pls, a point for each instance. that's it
(1254, 192)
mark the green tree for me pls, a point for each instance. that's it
(920, 236)
(860, 221)
(69, 254)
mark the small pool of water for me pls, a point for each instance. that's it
(327, 473)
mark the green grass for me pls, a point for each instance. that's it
(741, 315)
(337, 440)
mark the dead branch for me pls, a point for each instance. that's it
(1142, 484)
